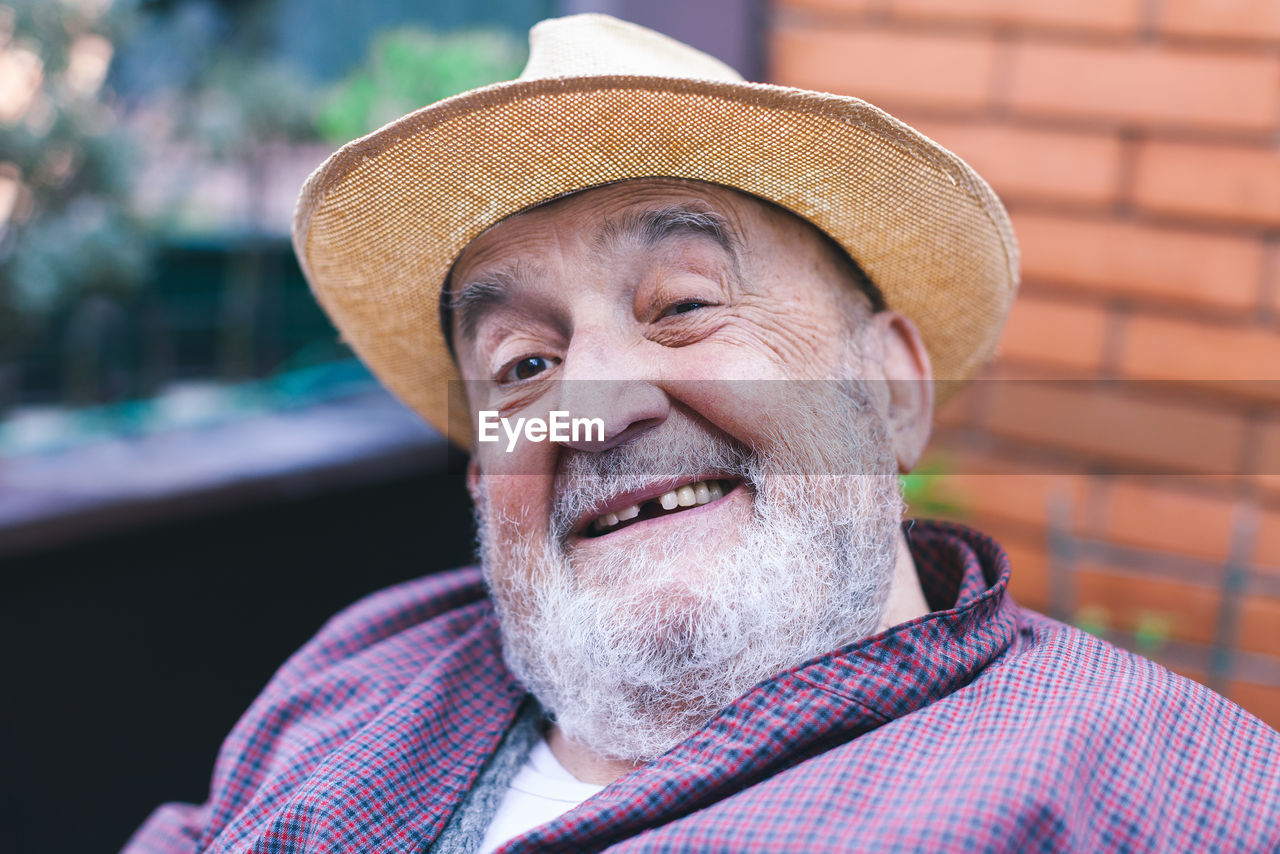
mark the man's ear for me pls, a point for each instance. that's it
(908, 377)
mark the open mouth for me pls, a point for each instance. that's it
(669, 503)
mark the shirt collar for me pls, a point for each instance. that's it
(965, 578)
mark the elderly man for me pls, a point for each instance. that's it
(700, 622)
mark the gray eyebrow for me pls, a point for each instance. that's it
(654, 226)
(470, 301)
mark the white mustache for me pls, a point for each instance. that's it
(588, 481)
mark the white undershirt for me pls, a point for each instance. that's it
(542, 790)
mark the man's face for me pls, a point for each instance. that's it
(739, 514)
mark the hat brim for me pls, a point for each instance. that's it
(380, 223)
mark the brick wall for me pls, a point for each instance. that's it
(1136, 144)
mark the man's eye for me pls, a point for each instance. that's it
(685, 307)
(524, 369)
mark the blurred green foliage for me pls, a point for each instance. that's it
(89, 311)
(1092, 619)
(927, 493)
(66, 167)
(243, 103)
(408, 68)
(233, 101)
(1151, 629)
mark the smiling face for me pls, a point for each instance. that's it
(739, 513)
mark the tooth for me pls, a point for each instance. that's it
(629, 512)
(684, 495)
(668, 500)
(714, 490)
(610, 519)
(701, 492)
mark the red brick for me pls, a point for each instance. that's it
(1180, 668)
(1266, 548)
(1259, 617)
(1221, 271)
(1175, 520)
(1081, 168)
(955, 412)
(886, 68)
(1112, 16)
(823, 7)
(1268, 483)
(1192, 610)
(1263, 701)
(1269, 464)
(1029, 574)
(1056, 333)
(1267, 473)
(1233, 19)
(1272, 286)
(995, 489)
(1010, 507)
(1147, 86)
(1160, 349)
(1230, 183)
(1022, 498)
(1113, 423)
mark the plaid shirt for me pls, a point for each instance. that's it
(980, 727)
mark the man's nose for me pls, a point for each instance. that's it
(614, 384)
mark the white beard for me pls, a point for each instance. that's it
(631, 652)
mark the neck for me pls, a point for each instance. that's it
(906, 597)
(583, 762)
(906, 602)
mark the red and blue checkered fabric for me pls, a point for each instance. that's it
(978, 727)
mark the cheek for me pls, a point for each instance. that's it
(517, 509)
(760, 382)
(754, 403)
(515, 504)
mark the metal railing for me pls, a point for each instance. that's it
(232, 311)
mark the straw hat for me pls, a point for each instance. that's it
(379, 224)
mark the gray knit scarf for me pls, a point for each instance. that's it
(466, 828)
